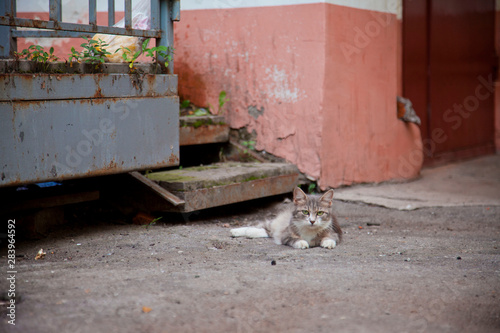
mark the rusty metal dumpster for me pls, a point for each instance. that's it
(62, 126)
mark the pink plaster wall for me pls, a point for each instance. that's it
(268, 58)
(363, 141)
(333, 116)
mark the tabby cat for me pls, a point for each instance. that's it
(308, 222)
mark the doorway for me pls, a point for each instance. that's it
(448, 73)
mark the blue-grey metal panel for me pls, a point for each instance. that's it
(67, 86)
(57, 140)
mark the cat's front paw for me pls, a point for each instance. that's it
(301, 244)
(328, 243)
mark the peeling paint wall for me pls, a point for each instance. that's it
(316, 81)
(270, 61)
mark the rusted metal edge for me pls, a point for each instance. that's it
(238, 192)
(190, 135)
(174, 200)
(77, 27)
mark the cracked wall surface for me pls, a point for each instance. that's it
(316, 82)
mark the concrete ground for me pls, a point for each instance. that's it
(432, 269)
(471, 183)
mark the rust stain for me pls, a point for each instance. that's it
(98, 93)
(189, 135)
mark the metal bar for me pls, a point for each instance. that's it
(55, 10)
(92, 12)
(111, 13)
(65, 87)
(174, 200)
(167, 32)
(128, 14)
(49, 34)
(155, 12)
(28, 23)
(176, 10)
(8, 44)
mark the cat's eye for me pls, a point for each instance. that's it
(320, 213)
(305, 212)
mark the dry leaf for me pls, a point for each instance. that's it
(40, 254)
(146, 309)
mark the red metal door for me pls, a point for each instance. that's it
(448, 66)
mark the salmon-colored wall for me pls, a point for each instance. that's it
(363, 141)
(334, 117)
(270, 61)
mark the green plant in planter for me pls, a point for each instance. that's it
(153, 52)
(94, 52)
(37, 54)
(163, 51)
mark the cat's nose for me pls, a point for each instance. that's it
(312, 221)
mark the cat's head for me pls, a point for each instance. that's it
(312, 210)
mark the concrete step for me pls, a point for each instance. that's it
(224, 183)
(201, 130)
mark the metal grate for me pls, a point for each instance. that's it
(163, 12)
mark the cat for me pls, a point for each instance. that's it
(307, 223)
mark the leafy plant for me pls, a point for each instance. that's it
(162, 51)
(153, 52)
(38, 54)
(94, 51)
(223, 99)
(185, 104)
(249, 144)
(130, 57)
(311, 188)
(153, 222)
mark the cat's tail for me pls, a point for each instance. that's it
(250, 232)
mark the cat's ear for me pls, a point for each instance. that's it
(299, 197)
(327, 198)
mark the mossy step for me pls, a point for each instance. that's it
(225, 183)
(218, 174)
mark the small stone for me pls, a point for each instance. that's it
(459, 258)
